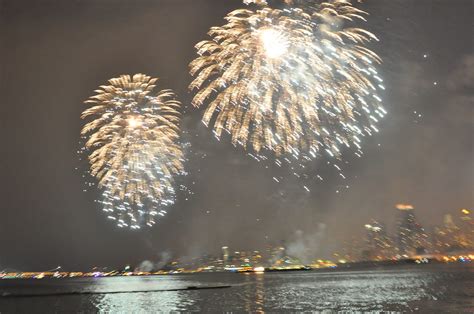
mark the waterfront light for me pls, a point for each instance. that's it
(259, 269)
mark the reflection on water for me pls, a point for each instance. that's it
(367, 291)
(437, 288)
(254, 292)
(259, 293)
(143, 302)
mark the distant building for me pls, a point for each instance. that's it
(453, 237)
(351, 250)
(411, 237)
(378, 244)
(256, 258)
(466, 226)
(449, 224)
(275, 254)
(225, 254)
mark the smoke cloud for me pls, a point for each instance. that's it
(148, 266)
(306, 246)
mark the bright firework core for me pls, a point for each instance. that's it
(133, 122)
(274, 42)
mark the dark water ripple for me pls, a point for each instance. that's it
(427, 288)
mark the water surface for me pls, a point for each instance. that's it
(426, 288)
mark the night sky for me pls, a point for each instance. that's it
(54, 53)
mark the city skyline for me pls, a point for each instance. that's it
(450, 241)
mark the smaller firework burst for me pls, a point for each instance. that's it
(132, 143)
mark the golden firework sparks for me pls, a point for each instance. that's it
(133, 150)
(294, 80)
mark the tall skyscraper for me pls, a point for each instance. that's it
(225, 254)
(411, 237)
(405, 230)
(466, 226)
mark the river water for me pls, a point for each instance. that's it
(424, 288)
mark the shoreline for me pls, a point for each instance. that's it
(354, 266)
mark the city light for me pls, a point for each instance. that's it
(404, 206)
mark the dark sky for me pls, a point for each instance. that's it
(54, 53)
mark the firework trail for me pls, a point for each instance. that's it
(131, 141)
(295, 80)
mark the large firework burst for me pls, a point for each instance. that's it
(295, 80)
(133, 150)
